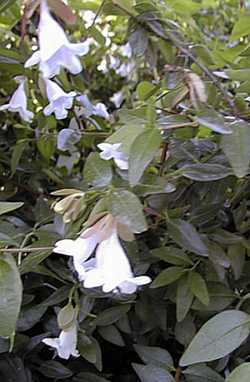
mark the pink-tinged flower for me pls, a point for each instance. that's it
(112, 270)
(55, 49)
(65, 344)
(83, 247)
(110, 151)
(60, 101)
(18, 101)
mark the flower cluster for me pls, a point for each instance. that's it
(109, 268)
(54, 53)
(98, 256)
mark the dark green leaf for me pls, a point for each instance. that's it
(126, 207)
(236, 146)
(53, 369)
(150, 373)
(168, 276)
(198, 287)
(11, 295)
(154, 356)
(97, 171)
(185, 234)
(240, 374)
(142, 153)
(218, 337)
(6, 207)
(205, 172)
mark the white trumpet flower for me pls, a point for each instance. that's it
(83, 247)
(110, 151)
(18, 101)
(99, 109)
(60, 101)
(55, 49)
(112, 270)
(65, 344)
(80, 249)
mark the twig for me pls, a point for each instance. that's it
(99, 10)
(163, 157)
(18, 250)
(178, 374)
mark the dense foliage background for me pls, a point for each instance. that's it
(175, 77)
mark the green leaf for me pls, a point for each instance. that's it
(127, 208)
(240, 374)
(111, 334)
(150, 373)
(87, 348)
(47, 146)
(126, 6)
(168, 276)
(201, 373)
(218, 337)
(185, 234)
(30, 262)
(11, 295)
(154, 356)
(198, 287)
(17, 152)
(128, 133)
(142, 153)
(214, 121)
(111, 315)
(145, 89)
(6, 207)
(55, 370)
(172, 255)
(97, 171)
(241, 27)
(205, 172)
(5, 4)
(184, 299)
(238, 74)
(236, 146)
(88, 377)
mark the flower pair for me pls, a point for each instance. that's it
(110, 268)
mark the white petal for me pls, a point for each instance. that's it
(141, 280)
(54, 91)
(61, 113)
(33, 60)
(122, 163)
(4, 107)
(127, 287)
(81, 48)
(112, 261)
(94, 279)
(26, 115)
(48, 110)
(67, 343)
(65, 247)
(101, 110)
(51, 34)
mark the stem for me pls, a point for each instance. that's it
(99, 11)
(24, 242)
(17, 250)
(178, 374)
(163, 157)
